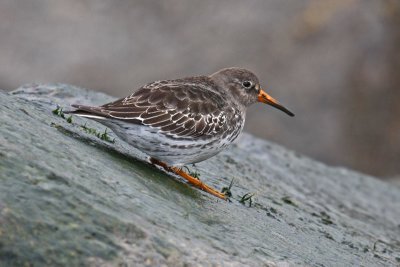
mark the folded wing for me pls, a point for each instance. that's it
(176, 109)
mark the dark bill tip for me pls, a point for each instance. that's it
(267, 99)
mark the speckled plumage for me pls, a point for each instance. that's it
(181, 121)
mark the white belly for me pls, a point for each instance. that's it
(174, 152)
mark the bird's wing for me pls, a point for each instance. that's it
(176, 109)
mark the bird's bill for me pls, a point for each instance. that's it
(267, 99)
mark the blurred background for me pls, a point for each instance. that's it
(335, 63)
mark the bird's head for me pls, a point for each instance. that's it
(245, 87)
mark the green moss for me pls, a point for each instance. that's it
(227, 190)
(59, 112)
(247, 197)
(103, 136)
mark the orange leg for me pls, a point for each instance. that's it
(194, 181)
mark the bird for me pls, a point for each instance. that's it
(184, 121)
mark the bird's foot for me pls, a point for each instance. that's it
(192, 180)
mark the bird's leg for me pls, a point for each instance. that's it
(194, 181)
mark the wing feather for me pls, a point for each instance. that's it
(176, 108)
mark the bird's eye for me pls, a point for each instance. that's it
(247, 84)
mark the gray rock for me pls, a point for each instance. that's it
(69, 198)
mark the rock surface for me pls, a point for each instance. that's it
(69, 198)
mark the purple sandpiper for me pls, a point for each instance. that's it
(184, 121)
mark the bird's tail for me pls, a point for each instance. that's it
(87, 112)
